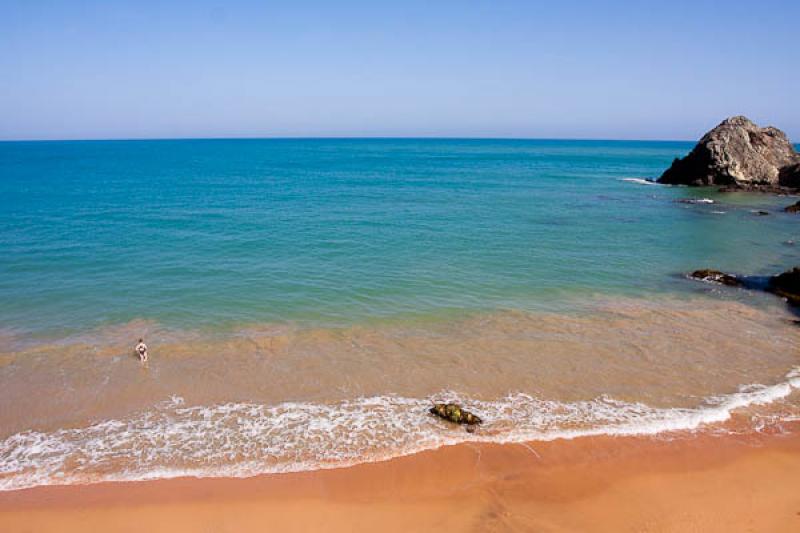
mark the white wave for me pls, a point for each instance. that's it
(244, 439)
(640, 181)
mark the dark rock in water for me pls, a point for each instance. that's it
(786, 285)
(455, 413)
(739, 155)
(716, 276)
(794, 208)
(760, 213)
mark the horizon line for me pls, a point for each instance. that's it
(342, 137)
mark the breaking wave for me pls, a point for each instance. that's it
(640, 181)
(243, 439)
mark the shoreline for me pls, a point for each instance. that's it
(709, 483)
(266, 404)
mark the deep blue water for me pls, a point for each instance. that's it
(221, 232)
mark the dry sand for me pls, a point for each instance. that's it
(701, 483)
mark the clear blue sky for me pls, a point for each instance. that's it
(624, 69)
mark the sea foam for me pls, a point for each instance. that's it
(245, 439)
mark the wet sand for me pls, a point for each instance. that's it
(695, 483)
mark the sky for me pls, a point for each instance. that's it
(520, 69)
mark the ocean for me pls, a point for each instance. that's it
(304, 301)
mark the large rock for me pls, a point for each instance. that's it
(738, 154)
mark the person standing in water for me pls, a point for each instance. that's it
(141, 350)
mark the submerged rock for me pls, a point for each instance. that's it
(455, 413)
(738, 154)
(715, 276)
(786, 285)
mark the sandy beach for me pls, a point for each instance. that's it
(691, 483)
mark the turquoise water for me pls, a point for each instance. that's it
(304, 301)
(224, 232)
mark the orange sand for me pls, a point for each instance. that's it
(594, 484)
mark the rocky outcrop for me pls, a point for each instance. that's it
(738, 154)
(715, 276)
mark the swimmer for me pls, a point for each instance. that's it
(141, 351)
